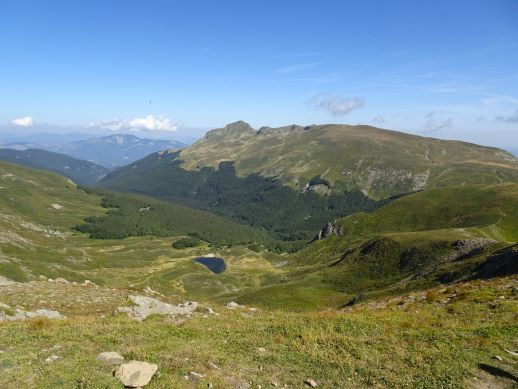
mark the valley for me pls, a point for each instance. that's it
(292, 284)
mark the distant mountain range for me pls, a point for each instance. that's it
(114, 150)
(110, 151)
(81, 172)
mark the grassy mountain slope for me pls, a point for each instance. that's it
(446, 337)
(81, 172)
(430, 237)
(379, 162)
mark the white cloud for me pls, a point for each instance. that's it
(148, 123)
(26, 121)
(336, 105)
(433, 124)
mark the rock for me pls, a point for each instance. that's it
(62, 280)
(145, 306)
(110, 357)
(261, 349)
(511, 353)
(213, 366)
(311, 383)
(193, 376)
(135, 374)
(20, 314)
(498, 358)
(328, 230)
(88, 282)
(5, 281)
(232, 305)
(208, 311)
(52, 358)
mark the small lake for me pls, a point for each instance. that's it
(214, 264)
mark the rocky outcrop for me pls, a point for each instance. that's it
(467, 248)
(145, 306)
(9, 314)
(135, 374)
(328, 230)
(501, 264)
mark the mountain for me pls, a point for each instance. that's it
(291, 180)
(114, 150)
(379, 162)
(81, 172)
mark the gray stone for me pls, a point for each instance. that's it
(20, 314)
(311, 383)
(145, 306)
(135, 374)
(110, 357)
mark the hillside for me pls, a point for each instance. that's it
(114, 150)
(447, 337)
(417, 241)
(79, 171)
(379, 162)
(288, 215)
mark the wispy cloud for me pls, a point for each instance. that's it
(378, 119)
(336, 105)
(148, 123)
(433, 124)
(512, 118)
(26, 121)
(294, 68)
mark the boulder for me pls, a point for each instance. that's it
(110, 357)
(145, 306)
(135, 374)
(232, 305)
(311, 383)
(9, 314)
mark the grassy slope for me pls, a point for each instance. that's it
(405, 245)
(36, 239)
(380, 162)
(438, 339)
(81, 171)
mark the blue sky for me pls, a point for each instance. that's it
(444, 68)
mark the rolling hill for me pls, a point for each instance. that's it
(79, 171)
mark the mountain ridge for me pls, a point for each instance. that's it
(80, 171)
